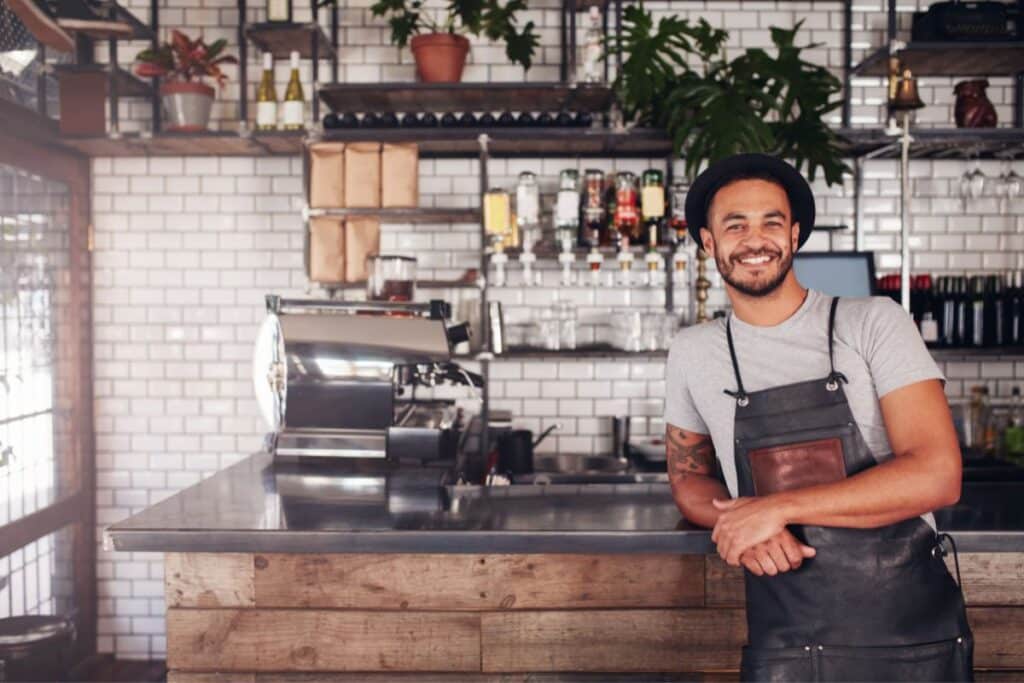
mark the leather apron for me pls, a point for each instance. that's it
(873, 604)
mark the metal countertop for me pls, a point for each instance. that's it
(259, 506)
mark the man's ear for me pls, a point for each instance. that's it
(795, 235)
(707, 241)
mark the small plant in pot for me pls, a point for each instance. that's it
(182, 64)
(440, 48)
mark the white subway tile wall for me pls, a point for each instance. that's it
(186, 248)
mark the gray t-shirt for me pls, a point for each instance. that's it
(877, 347)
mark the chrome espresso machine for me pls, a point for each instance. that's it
(338, 380)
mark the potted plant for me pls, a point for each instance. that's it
(183, 63)
(440, 48)
(677, 76)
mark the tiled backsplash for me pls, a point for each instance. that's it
(187, 247)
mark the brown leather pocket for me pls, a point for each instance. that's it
(797, 465)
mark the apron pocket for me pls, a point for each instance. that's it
(776, 664)
(948, 660)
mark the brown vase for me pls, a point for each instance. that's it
(973, 108)
(439, 57)
(187, 105)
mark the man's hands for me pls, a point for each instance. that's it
(752, 532)
(780, 553)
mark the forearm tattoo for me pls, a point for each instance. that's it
(688, 454)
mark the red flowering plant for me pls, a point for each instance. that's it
(185, 60)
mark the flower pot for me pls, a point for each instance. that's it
(439, 57)
(187, 106)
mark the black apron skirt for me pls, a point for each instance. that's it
(872, 604)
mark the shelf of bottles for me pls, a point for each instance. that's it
(288, 114)
(966, 314)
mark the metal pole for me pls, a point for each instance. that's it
(485, 427)
(847, 59)
(563, 70)
(1018, 99)
(115, 124)
(670, 303)
(334, 40)
(905, 213)
(858, 204)
(154, 20)
(243, 71)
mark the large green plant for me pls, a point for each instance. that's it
(676, 75)
(494, 19)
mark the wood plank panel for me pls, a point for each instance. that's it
(998, 632)
(209, 580)
(613, 640)
(315, 640)
(991, 578)
(723, 585)
(183, 677)
(479, 582)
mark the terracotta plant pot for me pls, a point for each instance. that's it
(187, 106)
(973, 109)
(439, 57)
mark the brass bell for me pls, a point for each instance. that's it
(906, 95)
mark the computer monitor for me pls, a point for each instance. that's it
(845, 273)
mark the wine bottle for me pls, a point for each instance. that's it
(387, 120)
(348, 120)
(583, 119)
(369, 120)
(428, 120)
(410, 120)
(545, 119)
(279, 11)
(294, 100)
(449, 120)
(525, 119)
(331, 121)
(266, 96)
(487, 120)
(507, 119)
(467, 120)
(977, 311)
(564, 119)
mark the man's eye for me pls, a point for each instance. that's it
(734, 226)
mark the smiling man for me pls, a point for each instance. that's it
(814, 437)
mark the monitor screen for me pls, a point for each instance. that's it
(837, 273)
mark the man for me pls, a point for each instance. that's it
(814, 437)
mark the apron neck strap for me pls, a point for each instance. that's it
(834, 376)
(740, 394)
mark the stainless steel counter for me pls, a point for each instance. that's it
(257, 506)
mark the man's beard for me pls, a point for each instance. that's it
(726, 267)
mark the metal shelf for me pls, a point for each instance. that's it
(280, 39)
(114, 12)
(584, 351)
(939, 143)
(950, 59)
(469, 280)
(463, 97)
(210, 143)
(410, 215)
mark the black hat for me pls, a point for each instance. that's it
(721, 173)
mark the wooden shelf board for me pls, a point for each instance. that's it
(950, 59)
(410, 215)
(280, 39)
(128, 85)
(469, 280)
(463, 97)
(583, 351)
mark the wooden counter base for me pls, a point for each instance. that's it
(232, 616)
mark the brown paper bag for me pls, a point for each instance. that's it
(327, 175)
(362, 175)
(400, 175)
(326, 249)
(362, 237)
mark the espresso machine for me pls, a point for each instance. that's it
(338, 380)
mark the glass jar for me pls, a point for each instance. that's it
(627, 217)
(594, 219)
(390, 278)
(567, 208)
(527, 206)
(677, 212)
(498, 218)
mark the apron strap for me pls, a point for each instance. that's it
(834, 376)
(740, 394)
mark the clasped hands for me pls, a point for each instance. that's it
(752, 532)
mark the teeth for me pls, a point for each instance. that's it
(755, 260)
